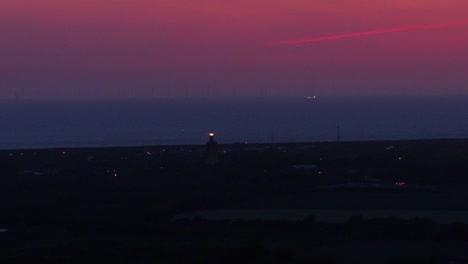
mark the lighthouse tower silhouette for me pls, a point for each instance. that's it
(211, 150)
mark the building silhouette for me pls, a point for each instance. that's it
(211, 150)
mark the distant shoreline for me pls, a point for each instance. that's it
(251, 144)
(124, 123)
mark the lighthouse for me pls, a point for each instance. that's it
(211, 150)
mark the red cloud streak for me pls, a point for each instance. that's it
(372, 32)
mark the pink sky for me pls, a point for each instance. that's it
(197, 48)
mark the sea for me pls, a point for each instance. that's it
(138, 122)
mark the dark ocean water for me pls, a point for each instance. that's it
(40, 124)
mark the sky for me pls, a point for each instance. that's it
(218, 48)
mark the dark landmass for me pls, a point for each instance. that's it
(149, 204)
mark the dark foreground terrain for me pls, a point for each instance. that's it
(342, 202)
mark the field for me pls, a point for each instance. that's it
(329, 216)
(163, 204)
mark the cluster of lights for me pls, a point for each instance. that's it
(113, 172)
(21, 154)
(11, 154)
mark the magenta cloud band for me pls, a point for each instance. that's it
(371, 32)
